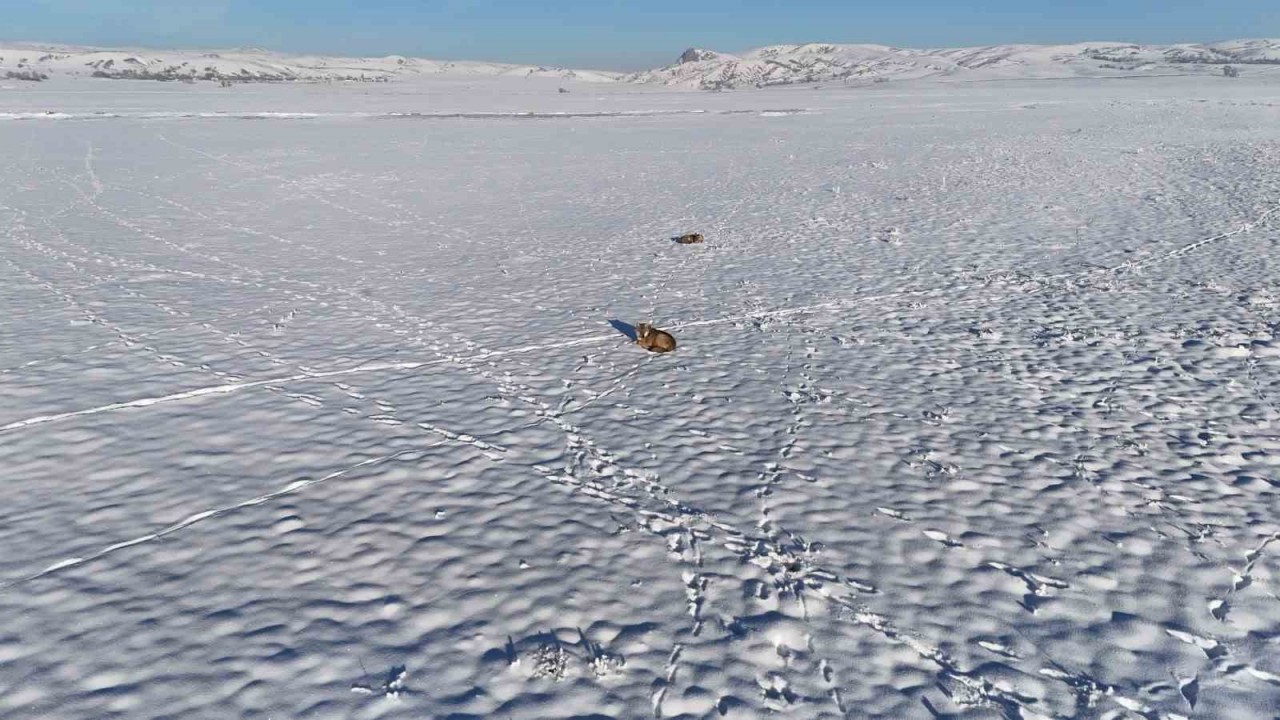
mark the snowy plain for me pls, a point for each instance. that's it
(313, 407)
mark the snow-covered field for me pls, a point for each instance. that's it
(313, 407)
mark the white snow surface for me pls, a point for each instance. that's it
(853, 64)
(313, 407)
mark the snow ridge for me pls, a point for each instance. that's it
(826, 62)
(696, 68)
(251, 65)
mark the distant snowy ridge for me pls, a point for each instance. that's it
(824, 62)
(696, 68)
(31, 61)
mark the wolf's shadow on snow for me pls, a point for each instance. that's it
(624, 328)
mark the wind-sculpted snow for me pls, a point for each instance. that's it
(972, 413)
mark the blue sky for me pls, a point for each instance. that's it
(620, 34)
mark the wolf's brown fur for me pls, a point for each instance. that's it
(690, 239)
(653, 339)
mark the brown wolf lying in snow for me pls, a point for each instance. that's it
(653, 339)
(690, 239)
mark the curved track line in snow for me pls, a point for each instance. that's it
(88, 168)
(1192, 247)
(289, 489)
(802, 309)
(229, 388)
(207, 391)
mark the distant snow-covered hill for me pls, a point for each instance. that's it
(251, 65)
(696, 68)
(817, 62)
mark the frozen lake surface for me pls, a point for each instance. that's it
(313, 406)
